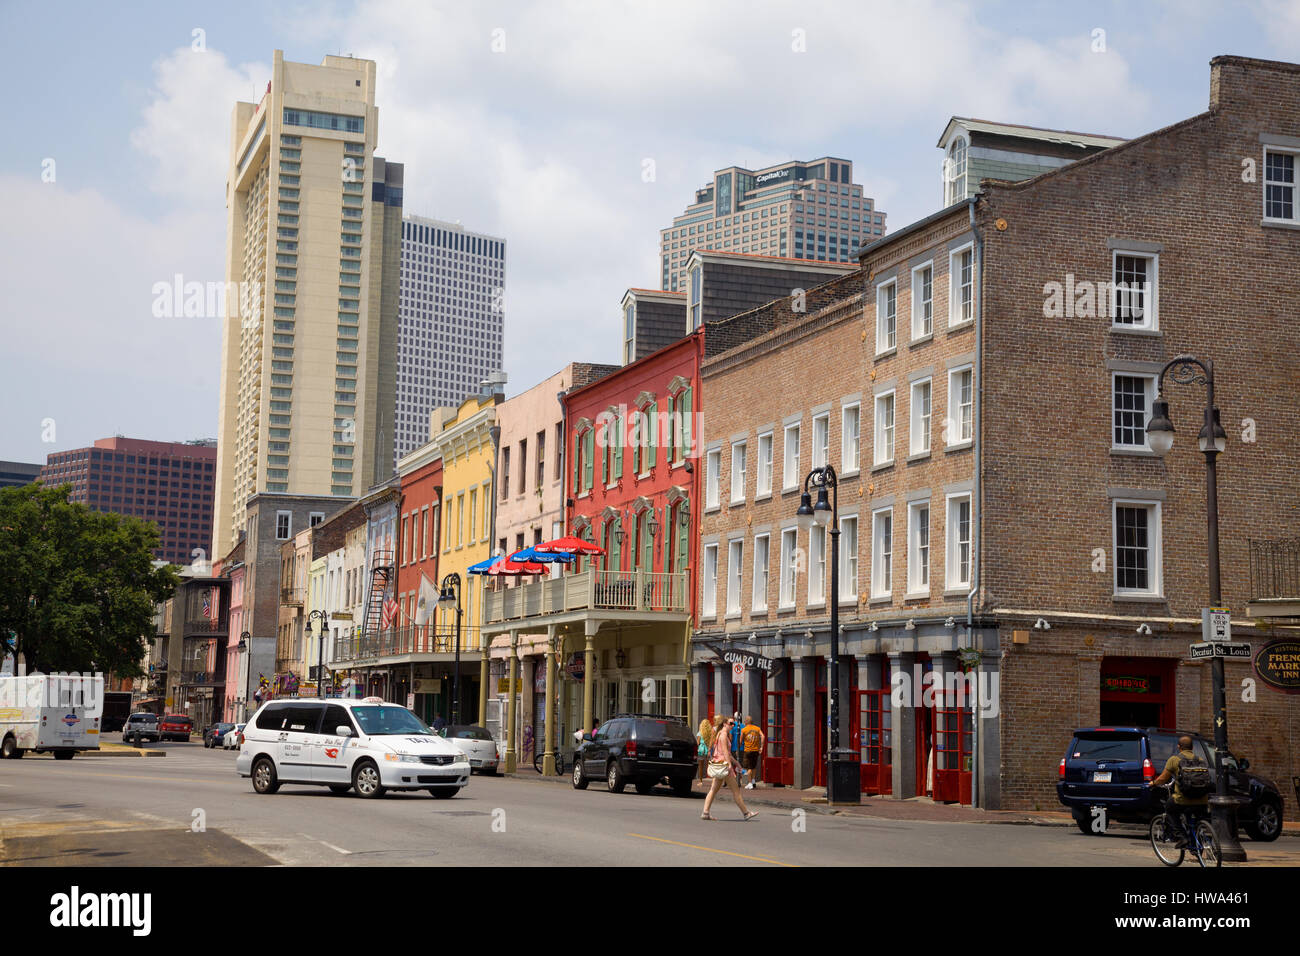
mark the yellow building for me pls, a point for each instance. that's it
(465, 438)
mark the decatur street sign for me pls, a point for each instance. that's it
(1208, 649)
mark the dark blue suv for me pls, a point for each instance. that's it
(1112, 767)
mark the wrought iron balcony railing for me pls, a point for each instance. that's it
(1275, 569)
(409, 639)
(588, 590)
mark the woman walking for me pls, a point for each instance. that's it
(723, 768)
(703, 740)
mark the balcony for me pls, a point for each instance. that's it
(1274, 578)
(292, 596)
(404, 641)
(629, 592)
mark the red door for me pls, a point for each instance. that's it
(873, 740)
(952, 751)
(821, 724)
(778, 719)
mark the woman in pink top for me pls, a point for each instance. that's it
(723, 767)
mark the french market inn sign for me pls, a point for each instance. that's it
(748, 658)
(1278, 665)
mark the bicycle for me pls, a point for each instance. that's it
(559, 763)
(1200, 840)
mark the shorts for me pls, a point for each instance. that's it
(749, 760)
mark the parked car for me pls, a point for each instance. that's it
(176, 727)
(1112, 767)
(476, 744)
(367, 745)
(642, 748)
(143, 726)
(234, 738)
(214, 735)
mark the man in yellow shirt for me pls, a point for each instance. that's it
(753, 740)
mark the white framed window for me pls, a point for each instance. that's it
(954, 172)
(882, 552)
(918, 548)
(923, 301)
(961, 405)
(710, 579)
(712, 477)
(764, 468)
(735, 558)
(738, 450)
(961, 285)
(789, 566)
(821, 440)
(1134, 290)
(694, 286)
(315, 517)
(1138, 567)
(850, 438)
(283, 525)
(884, 441)
(919, 433)
(1131, 398)
(1280, 185)
(629, 335)
(959, 542)
(849, 559)
(791, 477)
(816, 565)
(886, 316)
(762, 560)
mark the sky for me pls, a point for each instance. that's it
(532, 121)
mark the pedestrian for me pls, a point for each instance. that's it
(735, 741)
(723, 767)
(703, 740)
(438, 724)
(753, 740)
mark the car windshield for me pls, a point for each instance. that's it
(663, 730)
(1107, 747)
(468, 733)
(144, 718)
(377, 721)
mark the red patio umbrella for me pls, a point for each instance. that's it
(504, 565)
(570, 544)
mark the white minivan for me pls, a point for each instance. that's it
(367, 745)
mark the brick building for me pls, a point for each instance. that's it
(993, 372)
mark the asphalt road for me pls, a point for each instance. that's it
(190, 807)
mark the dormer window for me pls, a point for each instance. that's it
(694, 303)
(954, 172)
(629, 334)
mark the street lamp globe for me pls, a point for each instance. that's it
(822, 510)
(446, 599)
(1212, 433)
(1160, 430)
(805, 514)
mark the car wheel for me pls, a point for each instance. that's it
(1267, 826)
(365, 778)
(580, 780)
(614, 778)
(682, 786)
(264, 776)
(444, 793)
(340, 787)
(63, 754)
(10, 750)
(1084, 823)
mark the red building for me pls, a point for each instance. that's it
(420, 474)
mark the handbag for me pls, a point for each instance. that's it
(719, 768)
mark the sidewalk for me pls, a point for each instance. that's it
(919, 809)
(122, 750)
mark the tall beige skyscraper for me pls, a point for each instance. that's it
(314, 235)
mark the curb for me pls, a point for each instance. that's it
(124, 752)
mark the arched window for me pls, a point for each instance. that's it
(954, 172)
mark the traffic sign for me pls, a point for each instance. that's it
(1208, 649)
(737, 672)
(1216, 624)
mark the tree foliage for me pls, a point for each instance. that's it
(77, 587)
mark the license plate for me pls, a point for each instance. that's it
(665, 755)
(1101, 776)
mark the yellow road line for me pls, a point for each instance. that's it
(709, 849)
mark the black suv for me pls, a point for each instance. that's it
(1111, 767)
(642, 748)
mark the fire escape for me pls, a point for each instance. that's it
(382, 572)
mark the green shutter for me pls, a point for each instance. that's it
(615, 549)
(648, 543)
(604, 455)
(588, 458)
(577, 465)
(668, 538)
(686, 423)
(620, 435)
(683, 542)
(652, 443)
(639, 422)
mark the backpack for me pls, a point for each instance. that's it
(1194, 778)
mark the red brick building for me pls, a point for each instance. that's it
(420, 474)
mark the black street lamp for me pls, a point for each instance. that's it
(323, 623)
(245, 647)
(845, 786)
(448, 598)
(1187, 369)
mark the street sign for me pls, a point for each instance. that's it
(1216, 624)
(737, 672)
(1209, 649)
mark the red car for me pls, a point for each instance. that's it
(176, 727)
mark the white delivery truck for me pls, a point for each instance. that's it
(50, 713)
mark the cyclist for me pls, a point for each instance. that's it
(1179, 804)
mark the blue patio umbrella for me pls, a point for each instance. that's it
(543, 557)
(481, 567)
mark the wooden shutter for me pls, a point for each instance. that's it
(588, 458)
(577, 465)
(652, 443)
(668, 538)
(614, 547)
(620, 436)
(686, 423)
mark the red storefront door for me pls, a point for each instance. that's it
(952, 752)
(778, 720)
(872, 739)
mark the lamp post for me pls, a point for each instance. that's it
(323, 624)
(845, 787)
(246, 659)
(448, 598)
(1188, 370)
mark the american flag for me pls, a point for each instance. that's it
(390, 614)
